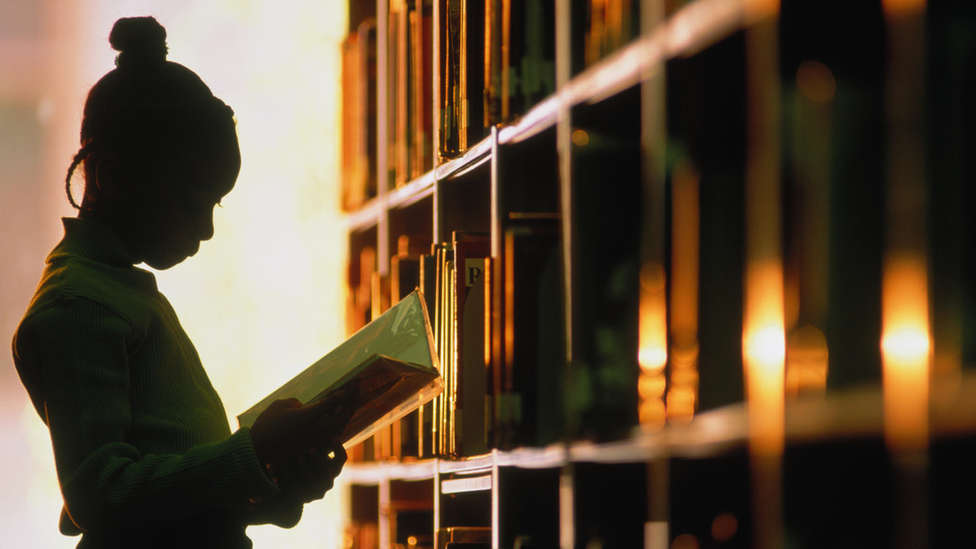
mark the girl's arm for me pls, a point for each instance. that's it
(83, 350)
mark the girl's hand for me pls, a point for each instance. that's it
(287, 429)
(308, 477)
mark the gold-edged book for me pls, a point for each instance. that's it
(389, 365)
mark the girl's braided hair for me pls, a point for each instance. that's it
(146, 109)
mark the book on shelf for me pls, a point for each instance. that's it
(467, 373)
(401, 30)
(519, 65)
(612, 23)
(462, 43)
(454, 272)
(422, 81)
(358, 146)
(388, 368)
(358, 303)
(443, 415)
(404, 275)
(428, 285)
(525, 331)
(379, 294)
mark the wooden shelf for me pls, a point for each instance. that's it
(365, 217)
(848, 414)
(473, 157)
(408, 194)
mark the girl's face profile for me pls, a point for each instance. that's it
(177, 214)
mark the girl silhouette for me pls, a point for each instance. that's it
(145, 456)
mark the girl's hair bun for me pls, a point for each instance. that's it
(140, 41)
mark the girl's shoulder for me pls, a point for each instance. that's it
(128, 293)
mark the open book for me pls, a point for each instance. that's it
(389, 367)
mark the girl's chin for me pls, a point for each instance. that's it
(167, 262)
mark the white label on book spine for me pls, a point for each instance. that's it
(468, 484)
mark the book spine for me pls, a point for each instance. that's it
(353, 191)
(449, 35)
(428, 285)
(495, 51)
(470, 251)
(368, 119)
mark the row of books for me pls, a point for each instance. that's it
(495, 60)
(498, 327)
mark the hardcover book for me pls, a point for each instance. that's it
(389, 367)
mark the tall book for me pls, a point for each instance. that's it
(352, 180)
(358, 307)
(359, 116)
(462, 46)
(467, 332)
(529, 69)
(519, 67)
(422, 107)
(529, 389)
(439, 421)
(393, 170)
(445, 314)
(471, 126)
(613, 23)
(403, 26)
(495, 49)
(427, 430)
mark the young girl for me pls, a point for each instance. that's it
(144, 453)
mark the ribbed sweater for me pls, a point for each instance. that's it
(143, 449)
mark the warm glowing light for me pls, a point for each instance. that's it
(580, 138)
(806, 362)
(652, 359)
(764, 355)
(685, 541)
(766, 348)
(724, 526)
(906, 346)
(906, 352)
(815, 81)
(895, 7)
(653, 346)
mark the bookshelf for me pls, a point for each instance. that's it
(699, 172)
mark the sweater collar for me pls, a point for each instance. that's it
(92, 241)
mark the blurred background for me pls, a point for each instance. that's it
(263, 299)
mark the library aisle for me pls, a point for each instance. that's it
(698, 272)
